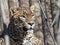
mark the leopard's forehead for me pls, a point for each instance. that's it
(19, 12)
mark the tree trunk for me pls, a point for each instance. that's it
(24, 3)
(13, 3)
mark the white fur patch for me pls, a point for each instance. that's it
(27, 39)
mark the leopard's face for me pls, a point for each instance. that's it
(28, 20)
(25, 15)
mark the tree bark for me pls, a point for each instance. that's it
(13, 3)
(24, 3)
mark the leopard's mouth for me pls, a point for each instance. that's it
(29, 26)
(25, 28)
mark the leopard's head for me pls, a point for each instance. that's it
(25, 15)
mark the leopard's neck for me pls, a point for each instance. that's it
(28, 37)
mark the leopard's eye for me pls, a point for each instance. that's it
(32, 15)
(23, 16)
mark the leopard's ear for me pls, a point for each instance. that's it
(14, 11)
(32, 8)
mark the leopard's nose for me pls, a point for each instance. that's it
(31, 24)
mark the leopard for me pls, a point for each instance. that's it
(21, 26)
